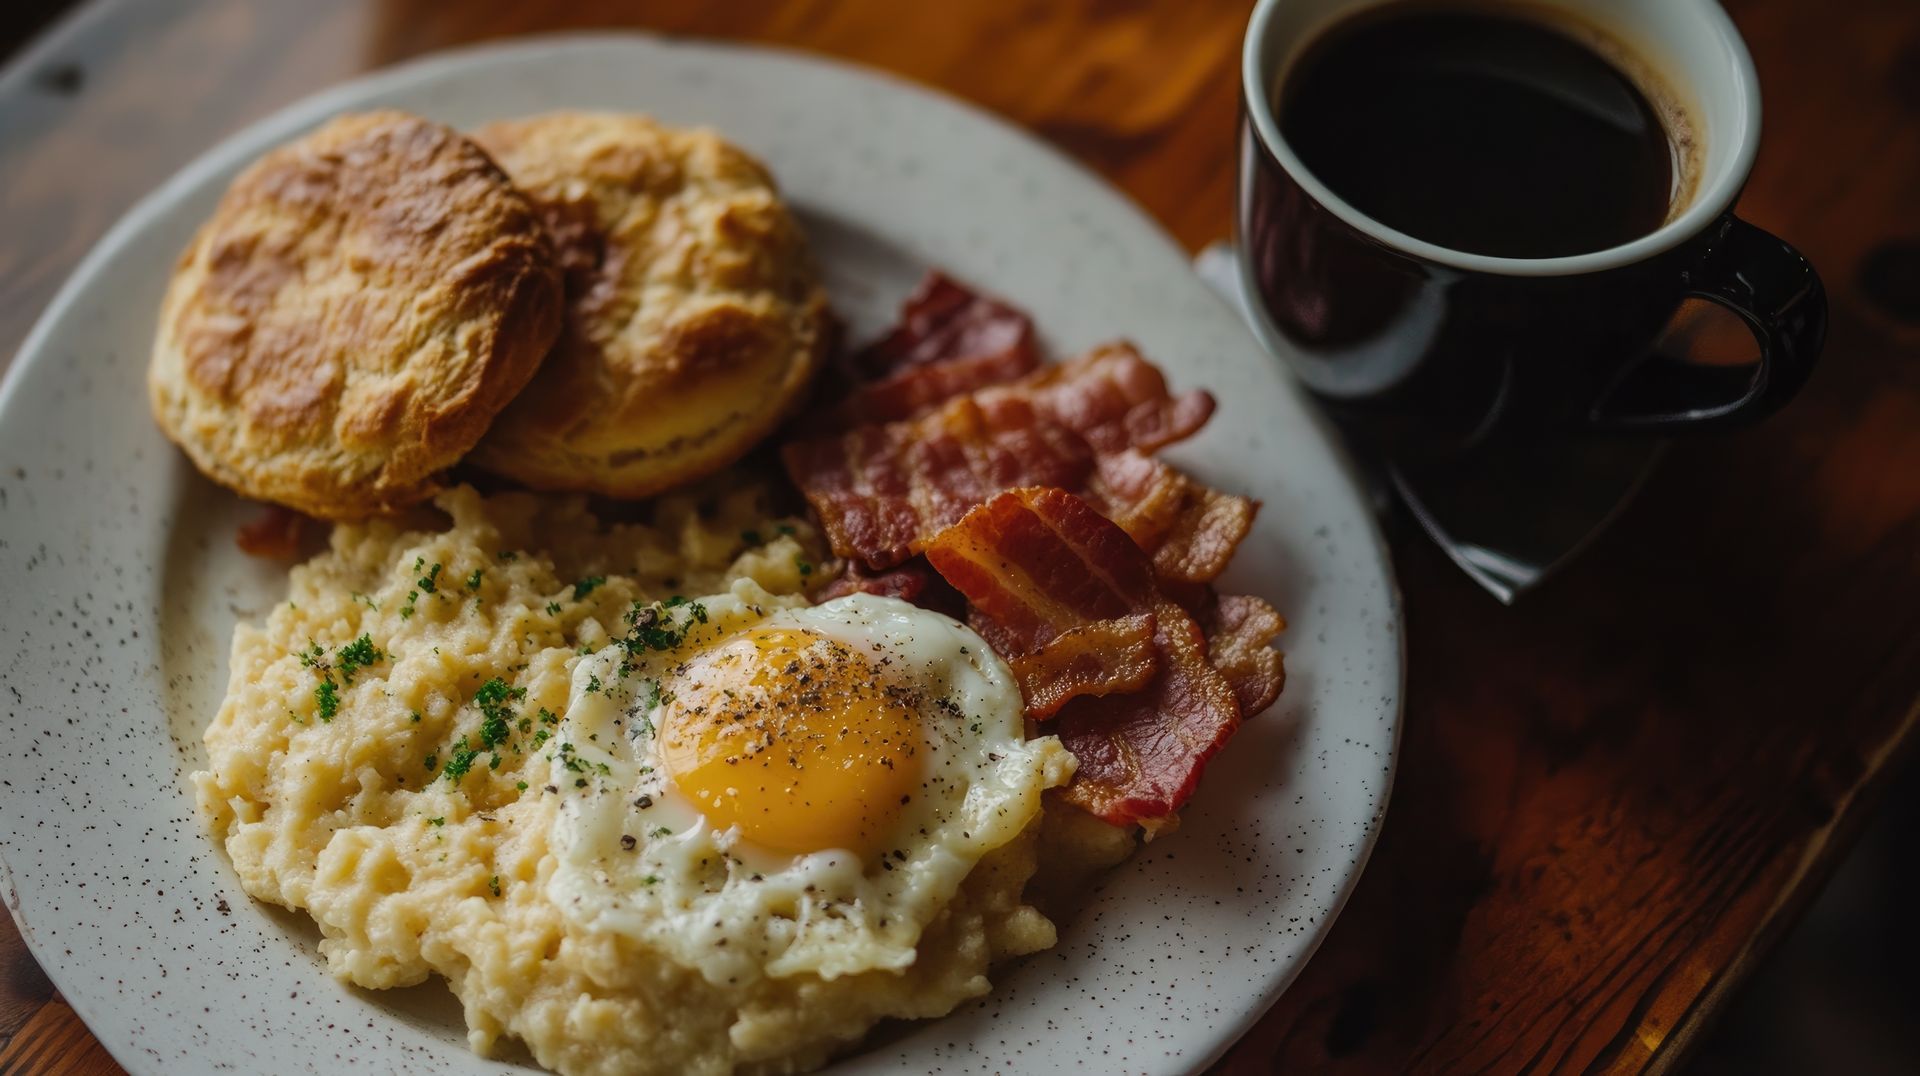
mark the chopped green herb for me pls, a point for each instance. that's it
(521, 785)
(416, 717)
(656, 626)
(663, 831)
(407, 609)
(587, 586)
(547, 717)
(473, 581)
(493, 763)
(493, 883)
(593, 683)
(553, 608)
(326, 699)
(441, 821)
(428, 581)
(432, 762)
(806, 569)
(651, 879)
(495, 702)
(356, 655)
(459, 764)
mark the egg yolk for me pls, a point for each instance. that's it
(797, 739)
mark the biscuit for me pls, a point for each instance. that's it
(360, 306)
(694, 318)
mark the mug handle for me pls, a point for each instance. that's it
(1772, 288)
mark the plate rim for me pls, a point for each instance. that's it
(306, 111)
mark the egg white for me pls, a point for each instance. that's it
(636, 857)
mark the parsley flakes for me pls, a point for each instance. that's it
(659, 627)
(587, 586)
(460, 762)
(326, 699)
(356, 655)
(494, 700)
(347, 660)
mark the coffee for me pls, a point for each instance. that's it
(1485, 128)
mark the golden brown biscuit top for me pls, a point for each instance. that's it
(694, 316)
(360, 306)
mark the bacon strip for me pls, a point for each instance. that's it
(1103, 657)
(913, 581)
(906, 582)
(1191, 529)
(918, 388)
(1240, 630)
(1038, 563)
(1141, 755)
(944, 321)
(1113, 397)
(883, 491)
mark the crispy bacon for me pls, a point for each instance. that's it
(882, 491)
(906, 582)
(944, 321)
(949, 341)
(1240, 630)
(1191, 529)
(914, 390)
(1037, 564)
(1102, 657)
(912, 581)
(1111, 396)
(1141, 755)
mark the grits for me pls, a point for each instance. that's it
(328, 783)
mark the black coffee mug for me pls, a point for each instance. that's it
(1420, 346)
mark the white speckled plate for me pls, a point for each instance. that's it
(122, 585)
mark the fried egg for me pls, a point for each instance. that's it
(755, 786)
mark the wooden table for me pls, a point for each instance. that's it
(1613, 797)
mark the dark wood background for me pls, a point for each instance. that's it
(1613, 797)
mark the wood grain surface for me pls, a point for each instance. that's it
(1613, 797)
